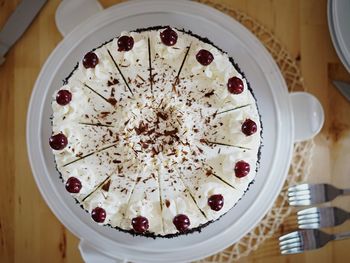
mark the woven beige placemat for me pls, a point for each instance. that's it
(300, 166)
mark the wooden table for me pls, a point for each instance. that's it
(29, 232)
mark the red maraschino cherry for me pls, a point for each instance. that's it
(216, 202)
(63, 97)
(90, 60)
(181, 222)
(98, 214)
(125, 43)
(242, 169)
(235, 85)
(73, 185)
(249, 127)
(58, 141)
(204, 57)
(140, 224)
(168, 37)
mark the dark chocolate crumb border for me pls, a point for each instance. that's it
(200, 227)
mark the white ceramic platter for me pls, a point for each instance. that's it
(338, 12)
(273, 101)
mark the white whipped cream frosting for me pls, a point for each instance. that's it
(174, 180)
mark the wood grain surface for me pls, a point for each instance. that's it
(29, 232)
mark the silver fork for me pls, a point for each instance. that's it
(302, 240)
(309, 194)
(319, 217)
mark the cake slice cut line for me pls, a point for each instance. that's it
(98, 94)
(223, 144)
(177, 78)
(128, 202)
(222, 180)
(233, 109)
(91, 153)
(190, 193)
(97, 124)
(150, 64)
(97, 187)
(211, 173)
(120, 72)
(145, 180)
(160, 198)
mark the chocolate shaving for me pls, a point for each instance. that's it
(126, 123)
(162, 115)
(143, 128)
(204, 141)
(140, 77)
(171, 132)
(209, 172)
(209, 94)
(112, 92)
(144, 145)
(105, 114)
(151, 131)
(167, 203)
(200, 150)
(112, 82)
(112, 101)
(154, 151)
(106, 186)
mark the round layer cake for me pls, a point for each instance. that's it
(156, 132)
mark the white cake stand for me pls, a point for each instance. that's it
(286, 118)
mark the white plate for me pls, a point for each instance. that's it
(339, 27)
(273, 101)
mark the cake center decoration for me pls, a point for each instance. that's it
(159, 129)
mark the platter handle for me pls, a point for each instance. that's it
(308, 115)
(71, 13)
(91, 255)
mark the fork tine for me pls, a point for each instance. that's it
(292, 251)
(290, 246)
(313, 221)
(298, 192)
(308, 217)
(307, 211)
(290, 241)
(300, 203)
(299, 197)
(299, 187)
(288, 236)
(309, 226)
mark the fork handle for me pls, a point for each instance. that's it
(341, 236)
(346, 191)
